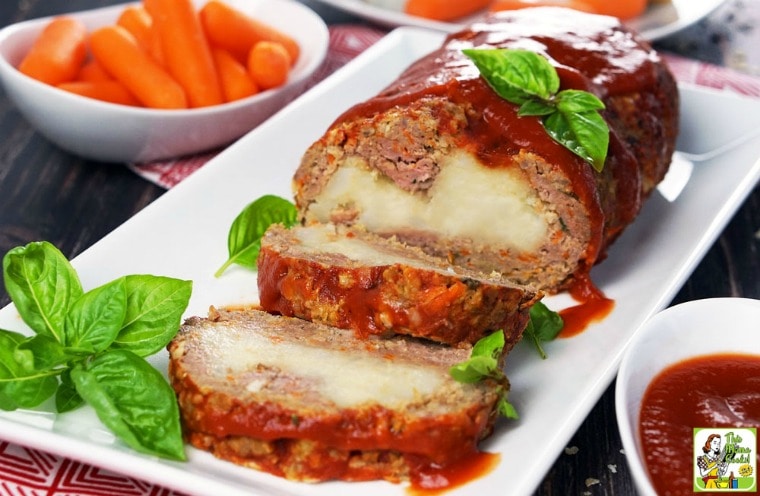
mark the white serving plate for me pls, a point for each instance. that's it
(184, 233)
(695, 328)
(656, 22)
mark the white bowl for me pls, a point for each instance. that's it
(119, 133)
(696, 328)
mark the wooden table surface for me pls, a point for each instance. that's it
(48, 194)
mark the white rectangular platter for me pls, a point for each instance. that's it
(184, 234)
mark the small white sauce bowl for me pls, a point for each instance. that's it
(118, 133)
(696, 328)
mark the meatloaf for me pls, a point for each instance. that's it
(311, 403)
(356, 280)
(440, 161)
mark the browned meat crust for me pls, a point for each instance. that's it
(440, 105)
(399, 290)
(248, 402)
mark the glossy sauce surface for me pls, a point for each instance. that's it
(721, 390)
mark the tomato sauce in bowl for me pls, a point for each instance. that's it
(688, 380)
(721, 390)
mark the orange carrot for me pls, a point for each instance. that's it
(624, 9)
(58, 52)
(107, 91)
(120, 55)
(444, 10)
(136, 20)
(497, 5)
(231, 29)
(236, 82)
(268, 64)
(92, 71)
(186, 50)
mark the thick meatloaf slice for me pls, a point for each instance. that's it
(312, 403)
(357, 280)
(440, 161)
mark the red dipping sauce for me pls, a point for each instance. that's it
(713, 391)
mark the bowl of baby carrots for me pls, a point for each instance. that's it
(159, 79)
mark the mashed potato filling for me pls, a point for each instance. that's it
(320, 239)
(340, 375)
(467, 200)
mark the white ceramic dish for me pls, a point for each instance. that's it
(118, 133)
(184, 234)
(675, 334)
(657, 22)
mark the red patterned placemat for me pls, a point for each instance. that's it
(31, 472)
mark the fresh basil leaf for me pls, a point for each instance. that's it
(42, 352)
(544, 325)
(569, 101)
(43, 285)
(9, 341)
(506, 409)
(95, 319)
(133, 400)
(21, 385)
(244, 238)
(516, 75)
(473, 370)
(483, 364)
(570, 117)
(489, 346)
(581, 133)
(155, 306)
(66, 396)
(536, 108)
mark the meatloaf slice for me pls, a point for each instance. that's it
(357, 280)
(440, 161)
(311, 403)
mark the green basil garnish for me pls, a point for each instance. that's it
(88, 347)
(544, 325)
(570, 117)
(244, 238)
(484, 364)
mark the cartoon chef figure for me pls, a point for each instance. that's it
(712, 464)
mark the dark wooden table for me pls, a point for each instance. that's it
(48, 194)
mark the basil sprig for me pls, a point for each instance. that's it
(89, 346)
(244, 238)
(544, 325)
(570, 117)
(484, 364)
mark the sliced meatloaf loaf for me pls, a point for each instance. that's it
(312, 403)
(440, 161)
(357, 280)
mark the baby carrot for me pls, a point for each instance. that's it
(236, 82)
(186, 50)
(106, 91)
(92, 71)
(268, 64)
(58, 52)
(136, 20)
(229, 28)
(444, 10)
(497, 5)
(120, 55)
